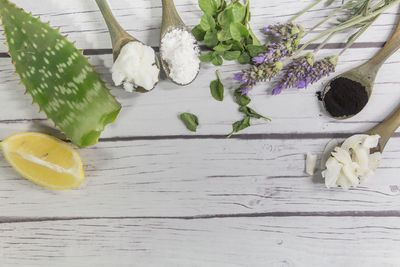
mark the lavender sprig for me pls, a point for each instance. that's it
(268, 64)
(286, 40)
(284, 31)
(257, 73)
(303, 71)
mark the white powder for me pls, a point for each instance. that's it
(135, 66)
(180, 51)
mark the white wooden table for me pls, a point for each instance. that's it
(156, 194)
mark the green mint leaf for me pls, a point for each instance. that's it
(240, 125)
(217, 60)
(236, 45)
(211, 39)
(242, 100)
(198, 33)
(239, 12)
(207, 57)
(207, 23)
(231, 55)
(244, 58)
(238, 31)
(224, 34)
(221, 47)
(190, 120)
(255, 50)
(219, 3)
(217, 88)
(252, 113)
(225, 18)
(208, 6)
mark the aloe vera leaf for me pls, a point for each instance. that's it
(58, 77)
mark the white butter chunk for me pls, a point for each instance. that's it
(311, 162)
(351, 163)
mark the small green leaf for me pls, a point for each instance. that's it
(221, 47)
(241, 99)
(217, 88)
(190, 120)
(207, 57)
(244, 58)
(225, 18)
(211, 39)
(207, 23)
(239, 12)
(208, 6)
(236, 45)
(224, 34)
(252, 113)
(240, 125)
(255, 50)
(217, 60)
(231, 55)
(198, 33)
(238, 31)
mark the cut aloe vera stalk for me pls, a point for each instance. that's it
(58, 76)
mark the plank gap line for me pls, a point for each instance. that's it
(378, 213)
(106, 51)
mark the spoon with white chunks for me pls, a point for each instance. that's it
(136, 65)
(179, 51)
(357, 158)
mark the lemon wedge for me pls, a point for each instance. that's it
(44, 160)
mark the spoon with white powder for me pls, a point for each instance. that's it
(135, 64)
(179, 50)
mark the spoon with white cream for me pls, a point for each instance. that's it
(136, 65)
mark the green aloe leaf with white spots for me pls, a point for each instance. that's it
(58, 77)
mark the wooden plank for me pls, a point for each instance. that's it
(267, 241)
(156, 113)
(199, 177)
(82, 21)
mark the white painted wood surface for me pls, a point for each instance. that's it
(157, 195)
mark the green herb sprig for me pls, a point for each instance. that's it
(225, 29)
(249, 113)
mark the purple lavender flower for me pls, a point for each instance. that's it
(284, 31)
(257, 73)
(303, 72)
(246, 90)
(286, 39)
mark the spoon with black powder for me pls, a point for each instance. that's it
(347, 94)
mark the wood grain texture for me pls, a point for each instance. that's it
(157, 195)
(156, 113)
(293, 241)
(200, 177)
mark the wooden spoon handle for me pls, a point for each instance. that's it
(390, 47)
(386, 129)
(170, 17)
(116, 31)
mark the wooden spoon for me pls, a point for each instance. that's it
(365, 74)
(386, 129)
(170, 21)
(119, 37)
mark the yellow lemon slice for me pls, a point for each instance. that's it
(43, 159)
